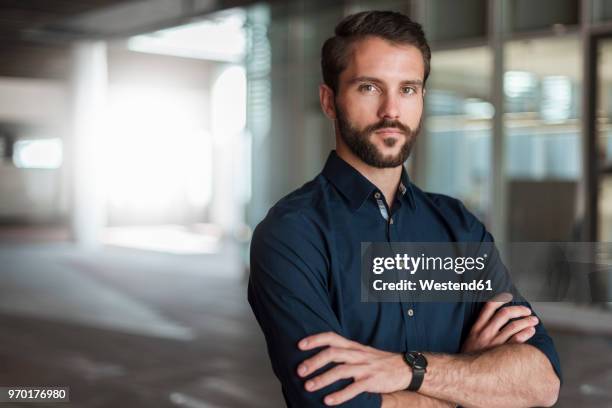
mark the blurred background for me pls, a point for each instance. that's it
(142, 141)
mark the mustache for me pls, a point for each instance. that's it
(388, 124)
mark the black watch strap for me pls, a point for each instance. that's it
(418, 363)
(418, 375)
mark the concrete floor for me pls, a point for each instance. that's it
(130, 328)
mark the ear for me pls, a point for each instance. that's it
(326, 97)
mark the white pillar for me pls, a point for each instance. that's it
(228, 103)
(89, 88)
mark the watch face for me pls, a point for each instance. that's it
(421, 361)
(417, 360)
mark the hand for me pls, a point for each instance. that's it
(373, 370)
(491, 330)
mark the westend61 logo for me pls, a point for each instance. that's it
(426, 271)
(458, 271)
(413, 264)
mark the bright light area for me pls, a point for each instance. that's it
(518, 83)
(556, 98)
(174, 156)
(232, 146)
(38, 154)
(175, 239)
(229, 101)
(234, 79)
(476, 108)
(158, 157)
(220, 38)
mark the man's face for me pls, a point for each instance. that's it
(379, 101)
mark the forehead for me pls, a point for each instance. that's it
(376, 57)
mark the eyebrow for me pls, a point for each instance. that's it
(417, 82)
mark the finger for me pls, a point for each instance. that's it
(329, 355)
(513, 328)
(489, 309)
(326, 339)
(503, 316)
(347, 393)
(522, 336)
(503, 297)
(339, 372)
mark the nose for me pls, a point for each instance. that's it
(389, 107)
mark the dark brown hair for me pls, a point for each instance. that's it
(392, 26)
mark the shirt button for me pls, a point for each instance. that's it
(377, 195)
(410, 312)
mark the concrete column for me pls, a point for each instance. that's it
(89, 88)
(498, 26)
(228, 119)
(259, 114)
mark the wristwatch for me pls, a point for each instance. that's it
(418, 363)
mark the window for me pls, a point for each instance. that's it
(38, 153)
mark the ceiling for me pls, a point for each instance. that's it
(35, 35)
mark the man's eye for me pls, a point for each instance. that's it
(408, 90)
(367, 88)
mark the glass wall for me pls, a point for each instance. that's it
(601, 10)
(604, 138)
(542, 95)
(457, 128)
(530, 16)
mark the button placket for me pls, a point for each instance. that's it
(381, 206)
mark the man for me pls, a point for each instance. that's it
(327, 347)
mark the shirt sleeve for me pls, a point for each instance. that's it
(288, 292)
(540, 340)
(543, 342)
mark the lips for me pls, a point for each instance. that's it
(389, 131)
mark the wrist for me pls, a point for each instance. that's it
(388, 401)
(404, 374)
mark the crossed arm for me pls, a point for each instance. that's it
(490, 371)
(288, 292)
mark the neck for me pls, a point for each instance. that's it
(387, 180)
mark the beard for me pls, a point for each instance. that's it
(358, 140)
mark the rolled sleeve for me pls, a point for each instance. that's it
(543, 342)
(498, 273)
(288, 294)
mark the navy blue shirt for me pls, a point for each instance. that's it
(305, 274)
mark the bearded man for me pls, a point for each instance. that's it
(326, 346)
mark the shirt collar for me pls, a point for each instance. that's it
(405, 189)
(355, 187)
